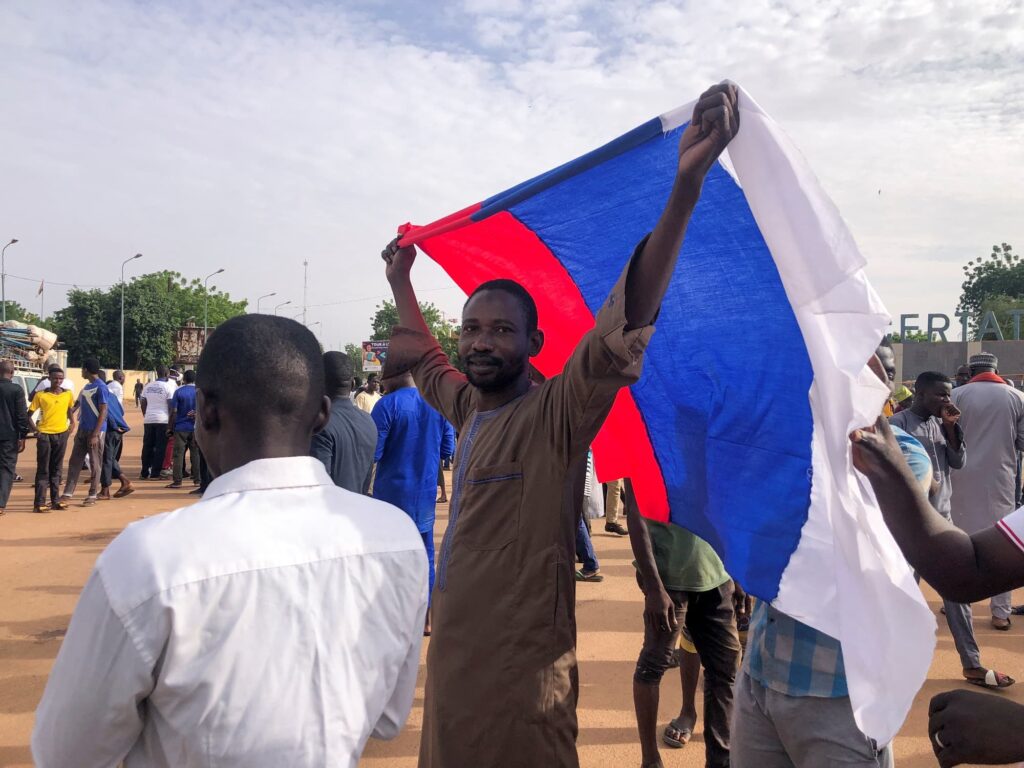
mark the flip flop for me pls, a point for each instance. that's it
(595, 576)
(122, 492)
(992, 679)
(89, 501)
(685, 734)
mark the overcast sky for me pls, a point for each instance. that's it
(256, 135)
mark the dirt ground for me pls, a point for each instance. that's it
(45, 560)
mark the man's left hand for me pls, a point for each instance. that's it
(969, 727)
(950, 415)
(876, 452)
(716, 119)
(741, 601)
(94, 440)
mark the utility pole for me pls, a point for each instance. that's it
(305, 286)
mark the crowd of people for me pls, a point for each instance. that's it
(279, 620)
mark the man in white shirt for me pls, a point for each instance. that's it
(116, 386)
(276, 622)
(156, 397)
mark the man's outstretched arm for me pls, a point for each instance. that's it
(960, 567)
(715, 121)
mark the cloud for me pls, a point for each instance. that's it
(253, 136)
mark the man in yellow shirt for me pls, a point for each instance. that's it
(55, 406)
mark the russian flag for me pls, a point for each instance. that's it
(755, 376)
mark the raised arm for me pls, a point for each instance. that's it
(715, 121)
(961, 567)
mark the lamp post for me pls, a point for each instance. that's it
(283, 303)
(3, 276)
(261, 298)
(313, 325)
(133, 258)
(206, 305)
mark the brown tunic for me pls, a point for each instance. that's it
(501, 668)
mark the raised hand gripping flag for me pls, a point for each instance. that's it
(756, 374)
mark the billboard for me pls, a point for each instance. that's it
(188, 343)
(374, 354)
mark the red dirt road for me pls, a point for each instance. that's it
(45, 560)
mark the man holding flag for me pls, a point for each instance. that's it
(508, 698)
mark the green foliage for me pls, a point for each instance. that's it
(447, 334)
(997, 279)
(355, 354)
(1001, 305)
(155, 306)
(912, 336)
(17, 312)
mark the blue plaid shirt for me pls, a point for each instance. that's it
(788, 656)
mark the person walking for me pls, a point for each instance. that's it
(138, 393)
(92, 406)
(13, 429)
(56, 407)
(684, 585)
(117, 428)
(181, 426)
(369, 395)
(985, 490)
(155, 404)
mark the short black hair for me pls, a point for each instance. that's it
(517, 292)
(161, 371)
(337, 371)
(371, 377)
(190, 376)
(91, 364)
(264, 368)
(928, 378)
(55, 369)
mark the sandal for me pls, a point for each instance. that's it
(41, 509)
(1001, 624)
(89, 501)
(61, 504)
(992, 679)
(173, 485)
(120, 493)
(676, 735)
(593, 576)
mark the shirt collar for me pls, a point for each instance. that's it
(271, 474)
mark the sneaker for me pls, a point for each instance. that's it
(617, 529)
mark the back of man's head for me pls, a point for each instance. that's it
(983, 362)
(337, 373)
(161, 371)
(91, 365)
(190, 376)
(6, 369)
(265, 372)
(119, 376)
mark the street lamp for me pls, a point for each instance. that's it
(261, 298)
(133, 258)
(313, 325)
(206, 305)
(283, 303)
(3, 276)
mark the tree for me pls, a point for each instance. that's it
(995, 283)
(155, 306)
(911, 336)
(386, 317)
(17, 312)
(355, 354)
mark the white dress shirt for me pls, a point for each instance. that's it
(116, 390)
(277, 622)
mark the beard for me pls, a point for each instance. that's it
(499, 377)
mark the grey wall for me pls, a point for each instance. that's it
(913, 358)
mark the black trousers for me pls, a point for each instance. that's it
(154, 446)
(111, 458)
(8, 463)
(50, 451)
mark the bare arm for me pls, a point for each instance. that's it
(961, 567)
(715, 121)
(658, 606)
